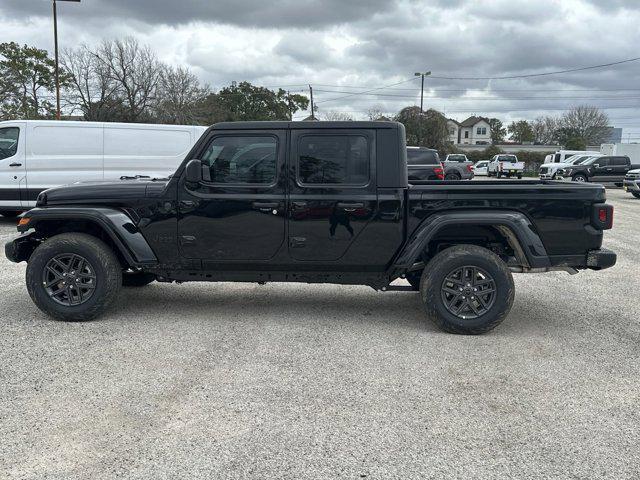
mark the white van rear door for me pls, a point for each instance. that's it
(60, 153)
(12, 164)
(153, 150)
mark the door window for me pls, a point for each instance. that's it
(333, 160)
(241, 160)
(8, 142)
(620, 161)
(603, 162)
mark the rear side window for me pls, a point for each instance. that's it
(422, 157)
(620, 161)
(333, 159)
(9, 142)
(241, 159)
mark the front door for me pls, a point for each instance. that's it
(238, 211)
(333, 191)
(12, 167)
(602, 170)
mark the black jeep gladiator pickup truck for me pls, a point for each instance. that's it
(325, 202)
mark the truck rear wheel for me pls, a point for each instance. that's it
(73, 277)
(452, 176)
(467, 289)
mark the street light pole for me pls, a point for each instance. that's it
(55, 42)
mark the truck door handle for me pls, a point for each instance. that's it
(299, 205)
(265, 205)
(15, 164)
(350, 206)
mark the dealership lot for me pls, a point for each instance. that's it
(302, 381)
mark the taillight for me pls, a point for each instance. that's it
(470, 168)
(439, 171)
(602, 217)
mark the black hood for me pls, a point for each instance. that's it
(100, 192)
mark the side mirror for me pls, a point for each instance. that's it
(193, 171)
(597, 165)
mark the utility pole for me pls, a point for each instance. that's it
(55, 43)
(422, 75)
(313, 115)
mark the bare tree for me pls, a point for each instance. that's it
(179, 96)
(586, 123)
(333, 116)
(376, 113)
(93, 91)
(136, 72)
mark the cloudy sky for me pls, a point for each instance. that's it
(346, 47)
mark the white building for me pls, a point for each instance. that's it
(473, 131)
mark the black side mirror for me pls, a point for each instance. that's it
(193, 171)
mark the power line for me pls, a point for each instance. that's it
(367, 91)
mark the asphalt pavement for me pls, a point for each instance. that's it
(296, 381)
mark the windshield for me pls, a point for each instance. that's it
(589, 161)
(577, 160)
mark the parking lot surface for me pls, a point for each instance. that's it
(322, 381)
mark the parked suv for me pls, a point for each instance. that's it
(457, 167)
(607, 169)
(424, 164)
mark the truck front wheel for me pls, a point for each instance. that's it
(73, 277)
(467, 289)
(579, 178)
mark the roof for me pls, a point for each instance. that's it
(471, 121)
(280, 125)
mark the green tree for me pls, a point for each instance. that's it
(521, 131)
(244, 101)
(428, 129)
(497, 130)
(27, 89)
(586, 123)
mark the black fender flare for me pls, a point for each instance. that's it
(514, 225)
(115, 223)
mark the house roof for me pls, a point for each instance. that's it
(454, 121)
(471, 121)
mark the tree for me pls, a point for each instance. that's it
(424, 129)
(334, 116)
(586, 123)
(497, 130)
(521, 131)
(92, 89)
(544, 130)
(376, 114)
(136, 73)
(27, 88)
(179, 94)
(244, 101)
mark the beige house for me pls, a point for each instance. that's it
(472, 131)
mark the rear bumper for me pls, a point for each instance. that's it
(601, 259)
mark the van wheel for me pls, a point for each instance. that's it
(467, 289)
(137, 279)
(9, 213)
(73, 277)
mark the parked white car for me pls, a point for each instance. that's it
(481, 168)
(548, 171)
(40, 154)
(505, 166)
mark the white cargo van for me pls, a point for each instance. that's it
(39, 154)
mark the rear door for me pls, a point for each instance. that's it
(621, 165)
(333, 194)
(237, 213)
(12, 164)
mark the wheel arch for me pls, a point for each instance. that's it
(514, 227)
(112, 226)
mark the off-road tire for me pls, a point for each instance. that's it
(137, 279)
(447, 261)
(105, 264)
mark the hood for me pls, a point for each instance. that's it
(555, 165)
(101, 192)
(635, 171)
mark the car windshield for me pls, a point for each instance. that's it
(578, 160)
(589, 161)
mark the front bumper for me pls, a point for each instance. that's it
(631, 185)
(547, 176)
(601, 259)
(20, 248)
